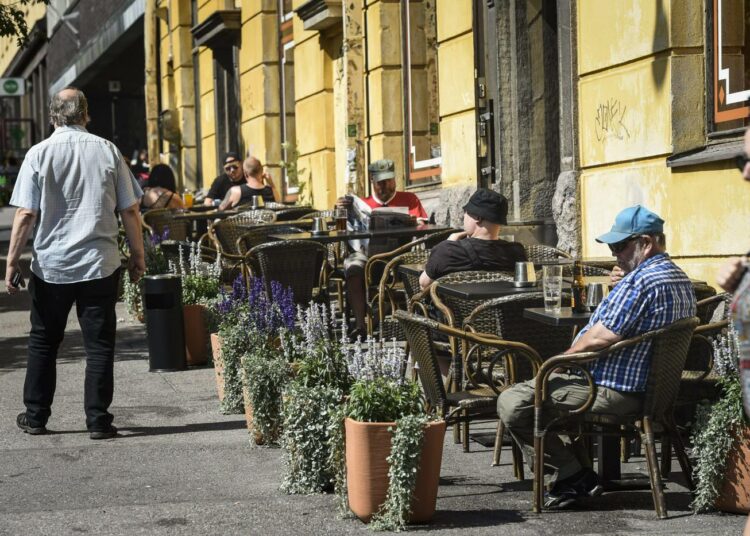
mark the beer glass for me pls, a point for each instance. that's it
(340, 216)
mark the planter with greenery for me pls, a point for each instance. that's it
(200, 285)
(223, 314)
(393, 452)
(156, 264)
(264, 368)
(720, 438)
(312, 403)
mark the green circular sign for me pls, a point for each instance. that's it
(10, 86)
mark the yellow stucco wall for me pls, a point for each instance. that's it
(456, 92)
(635, 109)
(9, 45)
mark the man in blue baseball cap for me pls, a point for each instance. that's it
(652, 293)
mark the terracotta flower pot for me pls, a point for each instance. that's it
(368, 444)
(734, 495)
(257, 436)
(196, 335)
(218, 364)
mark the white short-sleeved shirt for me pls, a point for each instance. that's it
(76, 181)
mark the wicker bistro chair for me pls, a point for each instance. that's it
(293, 213)
(669, 351)
(385, 290)
(477, 402)
(157, 220)
(503, 317)
(224, 236)
(538, 253)
(255, 236)
(297, 264)
(256, 216)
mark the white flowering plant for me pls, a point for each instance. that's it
(718, 426)
(200, 280)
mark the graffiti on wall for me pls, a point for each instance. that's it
(609, 120)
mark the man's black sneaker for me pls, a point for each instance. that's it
(103, 434)
(23, 424)
(561, 498)
(586, 483)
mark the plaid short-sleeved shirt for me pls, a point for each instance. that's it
(76, 181)
(655, 294)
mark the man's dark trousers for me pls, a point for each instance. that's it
(95, 306)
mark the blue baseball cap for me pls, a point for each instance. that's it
(632, 221)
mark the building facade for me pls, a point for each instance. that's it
(573, 109)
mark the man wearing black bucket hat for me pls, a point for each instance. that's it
(477, 247)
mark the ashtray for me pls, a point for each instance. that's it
(524, 284)
(321, 232)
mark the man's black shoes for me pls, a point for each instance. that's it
(565, 493)
(103, 434)
(23, 424)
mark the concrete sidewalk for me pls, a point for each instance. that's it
(180, 467)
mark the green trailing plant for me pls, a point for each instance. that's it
(312, 402)
(293, 173)
(265, 374)
(718, 426)
(233, 345)
(403, 464)
(380, 394)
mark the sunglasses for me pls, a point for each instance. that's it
(231, 167)
(741, 161)
(619, 247)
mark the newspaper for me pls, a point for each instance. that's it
(359, 220)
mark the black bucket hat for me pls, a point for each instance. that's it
(488, 205)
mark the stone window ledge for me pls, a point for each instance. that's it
(713, 152)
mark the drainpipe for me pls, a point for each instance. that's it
(151, 87)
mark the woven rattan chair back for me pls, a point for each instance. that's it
(320, 214)
(158, 220)
(259, 234)
(504, 317)
(537, 253)
(258, 216)
(456, 309)
(419, 335)
(669, 353)
(297, 264)
(293, 213)
(225, 234)
(706, 307)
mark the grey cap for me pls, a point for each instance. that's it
(381, 170)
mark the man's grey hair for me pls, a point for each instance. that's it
(69, 110)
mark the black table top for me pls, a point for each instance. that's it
(411, 269)
(204, 215)
(484, 290)
(338, 236)
(566, 316)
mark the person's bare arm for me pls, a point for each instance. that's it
(23, 225)
(131, 221)
(230, 199)
(207, 202)
(424, 280)
(616, 274)
(269, 181)
(596, 338)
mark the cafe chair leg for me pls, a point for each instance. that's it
(682, 458)
(666, 454)
(657, 487)
(538, 493)
(499, 432)
(465, 432)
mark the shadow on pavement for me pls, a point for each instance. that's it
(137, 431)
(130, 346)
(455, 519)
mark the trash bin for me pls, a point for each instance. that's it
(162, 304)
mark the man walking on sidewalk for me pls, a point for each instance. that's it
(68, 192)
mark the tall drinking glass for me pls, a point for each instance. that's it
(552, 286)
(340, 215)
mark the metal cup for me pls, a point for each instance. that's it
(255, 201)
(595, 293)
(319, 224)
(525, 272)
